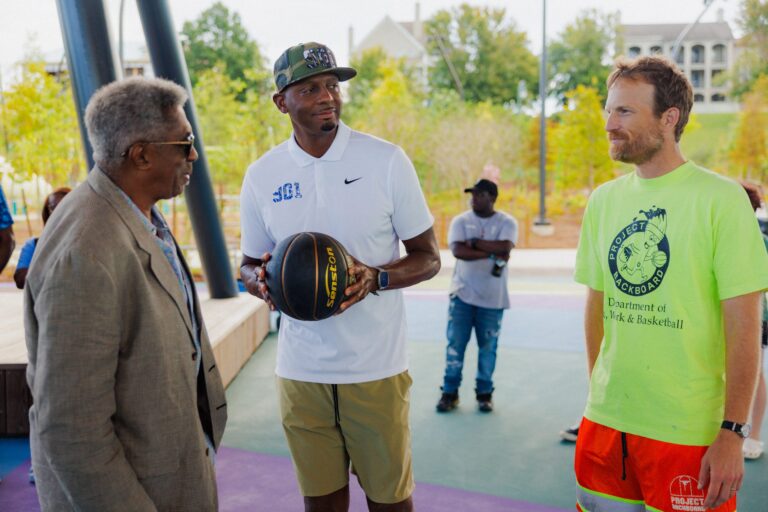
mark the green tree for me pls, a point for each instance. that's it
(41, 127)
(218, 38)
(581, 52)
(753, 57)
(483, 51)
(373, 66)
(235, 132)
(579, 145)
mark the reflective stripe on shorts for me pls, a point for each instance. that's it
(591, 501)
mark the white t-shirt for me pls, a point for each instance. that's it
(472, 281)
(364, 192)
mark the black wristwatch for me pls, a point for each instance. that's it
(742, 429)
(383, 279)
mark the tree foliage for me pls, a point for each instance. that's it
(581, 53)
(749, 151)
(235, 132)
(449, 141)
(579, 145)
(218, 38)
(41, 128)
(374, 66)
(753, 57)
(484, 51)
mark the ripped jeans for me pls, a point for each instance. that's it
(462, 317)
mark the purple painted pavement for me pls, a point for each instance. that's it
(251, 482)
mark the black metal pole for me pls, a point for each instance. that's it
(90, 58)
(542, 220)
(168, 62)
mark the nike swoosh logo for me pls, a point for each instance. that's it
(347, 182)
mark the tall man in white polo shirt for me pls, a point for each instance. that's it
(343, 382)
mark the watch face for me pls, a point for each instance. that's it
(746, 429)
(383, 279)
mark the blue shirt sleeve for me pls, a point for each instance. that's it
(5, 214)
(27, 251)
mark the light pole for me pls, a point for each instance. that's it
(676, 45)
(542, 226)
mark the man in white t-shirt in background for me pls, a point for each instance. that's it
(342, 382)
(481, 240)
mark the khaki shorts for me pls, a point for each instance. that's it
(330, 425)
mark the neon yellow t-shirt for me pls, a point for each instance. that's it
(665, 252)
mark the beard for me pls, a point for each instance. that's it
(328, 126)
(640, 150)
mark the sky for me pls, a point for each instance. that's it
(279, 24)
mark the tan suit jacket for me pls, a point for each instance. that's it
(119, 410)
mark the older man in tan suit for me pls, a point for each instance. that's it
(128, 402)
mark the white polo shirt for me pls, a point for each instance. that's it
(364, 192)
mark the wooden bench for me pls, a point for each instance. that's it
(236, 327)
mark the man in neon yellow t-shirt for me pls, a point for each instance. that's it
(674, 263)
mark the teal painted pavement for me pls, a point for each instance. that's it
(513, 452)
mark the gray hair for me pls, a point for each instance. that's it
(129, 111)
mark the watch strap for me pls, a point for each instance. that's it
(742, 429)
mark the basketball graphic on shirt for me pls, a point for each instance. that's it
(685, 495)
(659, 259)
(639, 253)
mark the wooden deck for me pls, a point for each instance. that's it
(236, 327)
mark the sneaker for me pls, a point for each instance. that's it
(570, 434)
(752, 448)
(448, 402)
(484, 402)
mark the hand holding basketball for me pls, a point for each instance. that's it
(253, 275)
(362, 282)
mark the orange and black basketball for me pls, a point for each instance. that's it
(307, 275)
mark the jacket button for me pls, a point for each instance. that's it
(194, 356)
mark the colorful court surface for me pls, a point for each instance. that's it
(508, 461)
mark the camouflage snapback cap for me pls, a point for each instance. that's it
(305, 60)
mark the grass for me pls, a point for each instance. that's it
(707, 138)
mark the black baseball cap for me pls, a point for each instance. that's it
(484, 186)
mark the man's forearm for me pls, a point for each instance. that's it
(476, 249)
(498, 247)
(741, 317)
(593, 327)
(412, 269)
(421, 262)
(7, 244)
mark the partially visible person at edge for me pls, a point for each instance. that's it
(7, 241)
(753, 446)
(481, 240)
(128, 404)
(28, 249)
(343, 382)
(674, 264)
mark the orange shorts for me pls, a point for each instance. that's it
(628, 473)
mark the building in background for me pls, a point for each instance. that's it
(706, 55)
(137, 61)
(400, 40)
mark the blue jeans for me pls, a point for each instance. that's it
(462, 317)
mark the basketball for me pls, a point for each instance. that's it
(307, 275)
(659, 259)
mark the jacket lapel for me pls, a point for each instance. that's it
(158, 263)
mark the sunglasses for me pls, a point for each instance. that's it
(187, 144)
